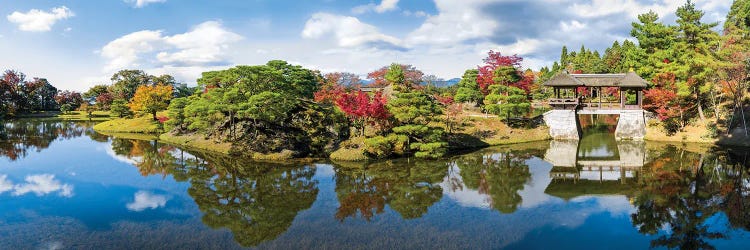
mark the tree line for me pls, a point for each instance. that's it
(696, 73)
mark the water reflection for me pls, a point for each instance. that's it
(498, 175)
(676, 196)
(255, 201)
(408, 188)
(21, 136)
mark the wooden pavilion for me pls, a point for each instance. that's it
(597, 86)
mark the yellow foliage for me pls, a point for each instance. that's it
(151, 99)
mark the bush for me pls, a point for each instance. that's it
(671, 126)
(430, 150)
(379, 146)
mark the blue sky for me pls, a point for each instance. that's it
(77, 44)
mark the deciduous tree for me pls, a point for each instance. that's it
(151, 99)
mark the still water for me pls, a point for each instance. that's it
(64, 186)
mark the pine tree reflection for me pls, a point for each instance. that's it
(408, 188)
(499, 175)
(255, 201)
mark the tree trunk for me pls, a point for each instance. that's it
(700, 105)
(154, 115)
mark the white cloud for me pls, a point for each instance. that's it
(348, 31)
(5, 184)
(204, 45)
(41, 185)
(456, 22)
(571, 26)
(384, 6)
(124, 51)
(38, 20)
(143, 3)
(143, 200)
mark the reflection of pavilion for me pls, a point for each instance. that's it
(604, 162)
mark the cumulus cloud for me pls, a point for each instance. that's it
(40, 185)
(384, 6)
(348, 32)
(143, 200)
(39, 20)
(456, 22)
(204, 45)
(124, 51)
(143, 3)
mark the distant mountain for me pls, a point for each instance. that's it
(446, 83)
(439, 83)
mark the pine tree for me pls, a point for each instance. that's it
(468, 89)
(696, 61)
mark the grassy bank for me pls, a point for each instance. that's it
(475, 132)
(697, 133)
(144, 125)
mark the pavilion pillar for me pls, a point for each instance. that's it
(640, 98)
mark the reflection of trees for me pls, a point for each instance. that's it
(680, 191)
(499, 175)
(23, 135)
(737, 189)
(256, 201)
(408, 188)
(150, 157)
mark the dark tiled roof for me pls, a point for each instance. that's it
(629, 79)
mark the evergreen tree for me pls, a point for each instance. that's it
(468, 89)
(695, 58)
(413, 111)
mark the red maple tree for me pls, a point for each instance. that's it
(495, 60)
(361, 109)
(662, 98)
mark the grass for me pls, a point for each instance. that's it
(144, 125)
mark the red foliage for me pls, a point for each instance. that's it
(662, 98)
(104, 99)
(583, 91)
(362, 109)
(162, 119)
(613, 91)
(69, 97)
(445, 100)
(330, 88)
(492, 62)
(411, 73)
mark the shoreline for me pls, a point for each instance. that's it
(346, 152)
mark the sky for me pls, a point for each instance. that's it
(76, 44)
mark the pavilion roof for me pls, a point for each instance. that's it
(630, 79)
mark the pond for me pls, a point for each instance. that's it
(64, 186)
